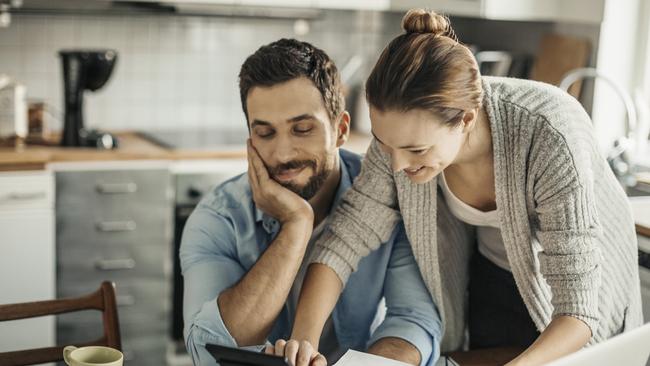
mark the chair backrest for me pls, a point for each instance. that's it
(103, 299)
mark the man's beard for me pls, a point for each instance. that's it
(315, 182)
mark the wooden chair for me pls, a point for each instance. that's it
(103, 299)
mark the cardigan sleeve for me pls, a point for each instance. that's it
(568, 227)
(365, 218)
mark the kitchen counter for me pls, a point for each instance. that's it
(132, 147)
(135, 147)
(641, 211)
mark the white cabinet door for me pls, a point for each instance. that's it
(468, 8)
(27, 262)
(378, 5)
(279, 3)
(582, 11)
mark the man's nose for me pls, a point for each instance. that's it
(285, 151)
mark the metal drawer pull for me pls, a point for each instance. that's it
(116, 188)
(24, 196)
(112, 226)
(129, 355)
(114, 264)
(125, 300)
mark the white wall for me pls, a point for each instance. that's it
(172, 71)
(617, 57)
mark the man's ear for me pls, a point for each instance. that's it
(469, 120)
(342, 128)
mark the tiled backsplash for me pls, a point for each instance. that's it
(172, 71)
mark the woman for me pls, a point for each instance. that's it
(504, 196)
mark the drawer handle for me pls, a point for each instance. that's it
(116, 188)
(25, 196)
(114, 264)
(125, 300)
(113, 226)
(129, 355)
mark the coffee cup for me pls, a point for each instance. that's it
(92, 356)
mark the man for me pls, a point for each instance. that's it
(245, 248)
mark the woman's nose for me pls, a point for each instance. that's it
(398, 161)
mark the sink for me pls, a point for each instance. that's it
(638, 190)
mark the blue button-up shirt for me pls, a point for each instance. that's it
(226, 235)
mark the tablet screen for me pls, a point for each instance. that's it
(229, 356)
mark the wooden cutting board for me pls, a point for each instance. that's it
(557, 55)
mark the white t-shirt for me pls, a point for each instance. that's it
(488, 228)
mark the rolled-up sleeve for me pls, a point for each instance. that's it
(365, 218)
(209, 265)
(568, 232)
(411, 314)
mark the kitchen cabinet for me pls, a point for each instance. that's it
(279, 3)
(581, 11)
(115, 224)
(27, 271)
(353, 4)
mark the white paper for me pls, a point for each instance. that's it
(355, 358)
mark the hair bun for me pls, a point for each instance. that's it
(423, 21)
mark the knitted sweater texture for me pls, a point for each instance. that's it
(566, 223)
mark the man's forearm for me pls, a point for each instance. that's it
(564, 335)
(250, 308)
(396, 349)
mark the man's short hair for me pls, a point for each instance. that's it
(288, 59)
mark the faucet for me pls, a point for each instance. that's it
(621, 157)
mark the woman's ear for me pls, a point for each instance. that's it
(469, 120)
(342, 128)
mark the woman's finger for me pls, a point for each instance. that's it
(279, 347)
(319, 360)
(305, 354)
(291, 351)
(269, 350)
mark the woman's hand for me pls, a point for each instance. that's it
(564, 335)
(297, 353)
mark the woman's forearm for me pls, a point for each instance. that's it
(564, 335)
(318, 296)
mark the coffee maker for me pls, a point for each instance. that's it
(84, 70)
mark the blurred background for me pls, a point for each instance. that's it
(116, 117)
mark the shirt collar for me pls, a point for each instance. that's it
(270, 224)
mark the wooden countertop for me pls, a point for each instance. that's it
(135, 147)
(132, 147)
(641, 212)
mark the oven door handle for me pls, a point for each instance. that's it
(116, 188)
(115, 226)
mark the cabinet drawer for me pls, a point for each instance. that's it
(26, 190)
(115, 263)
(146, 224)
(118, 188)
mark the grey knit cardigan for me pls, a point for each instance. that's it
(565, 221)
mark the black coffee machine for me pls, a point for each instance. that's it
(84, 70)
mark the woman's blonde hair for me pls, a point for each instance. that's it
(426, 68)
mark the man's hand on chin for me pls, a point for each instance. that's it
(272, 198)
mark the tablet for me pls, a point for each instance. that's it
(228, 356)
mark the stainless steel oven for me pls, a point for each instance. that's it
(193, 179)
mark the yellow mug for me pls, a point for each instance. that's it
(92, 356)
